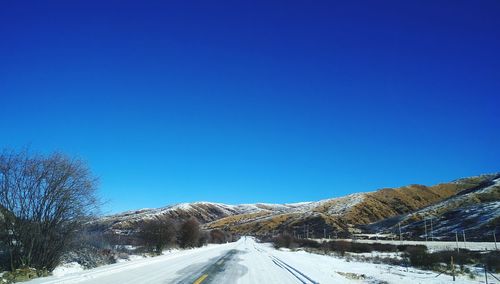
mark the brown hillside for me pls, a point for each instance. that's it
(333, 215)
(390, 202)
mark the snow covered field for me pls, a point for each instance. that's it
(247, 261)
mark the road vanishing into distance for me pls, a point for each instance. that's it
(248, 261)
(244, 261)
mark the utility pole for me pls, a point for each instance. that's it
(452, 268)
(425, 228)
(400, 235)
(495, 238)
(432, 232)
(465, 244)
(485, 274)
(456, 239)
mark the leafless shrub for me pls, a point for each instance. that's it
(283, 241)
(156, 234)
(217, 236)
(189, 234)
(43, 201)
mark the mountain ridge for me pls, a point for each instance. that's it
(343, 215)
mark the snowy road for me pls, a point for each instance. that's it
(245, 261)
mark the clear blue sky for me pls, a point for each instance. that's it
(245, 101)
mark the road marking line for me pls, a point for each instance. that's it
(201, 279)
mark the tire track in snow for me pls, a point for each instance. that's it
(295, 272)
(292, 270)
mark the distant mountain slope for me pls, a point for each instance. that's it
(346, 214)
(475, 210)
(203, 211)
(342, 216)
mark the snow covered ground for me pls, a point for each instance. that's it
(247, 261)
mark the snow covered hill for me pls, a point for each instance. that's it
(375, 211)
(127, 222)
(475, 212)
(209, 212)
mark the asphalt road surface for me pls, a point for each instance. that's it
(245, 261)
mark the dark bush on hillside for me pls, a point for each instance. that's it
(156, 234)
(492, 261)
(340, 246)
(189, 234)
(217, 236)
(345, 246)
(284, 241)
(361, 247)
(384, 247)
(92, 239)
(307, 243)
(404, 248)
(203, 239)
(337, 246)
(419, 257)
(461, 258)
(287, 241)
(416, 255)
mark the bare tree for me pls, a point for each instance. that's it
(156, 234)
(189, 233)
(43, 201)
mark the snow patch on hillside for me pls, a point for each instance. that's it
(457, 199)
